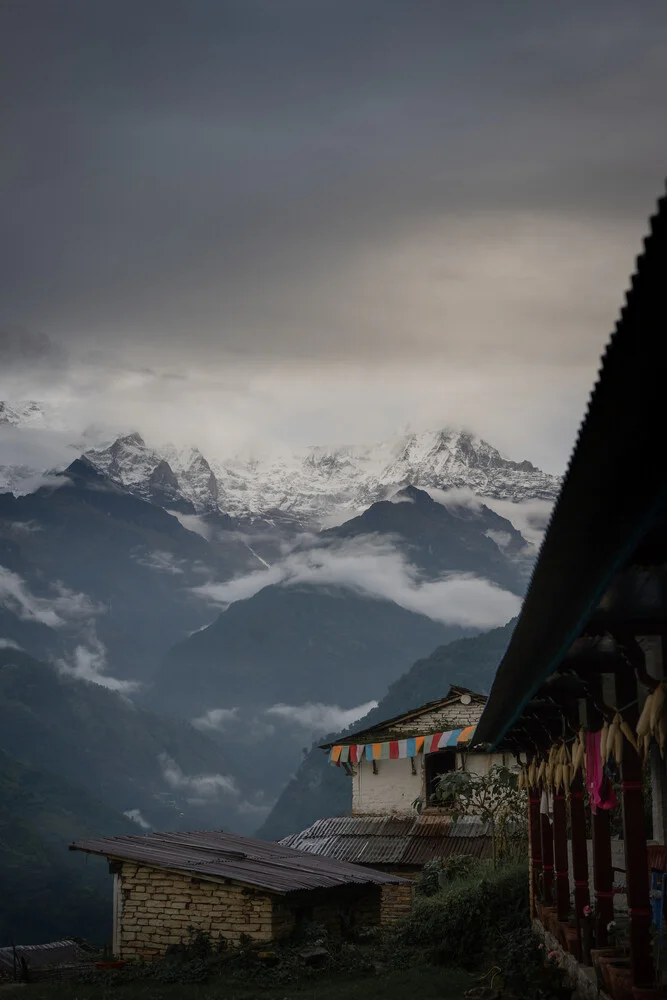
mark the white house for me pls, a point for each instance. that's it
(393, 764)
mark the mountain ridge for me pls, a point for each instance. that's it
(315, 486)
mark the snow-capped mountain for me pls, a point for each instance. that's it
(318, 485)
(314, 487)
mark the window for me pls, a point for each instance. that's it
(435, 764)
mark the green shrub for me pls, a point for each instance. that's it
(468, 918)
(442, 870)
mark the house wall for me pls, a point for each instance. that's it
(336, 909)
(394, 788)
(396, 903)
(156, 907)
(453, 716)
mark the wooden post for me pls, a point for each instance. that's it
(560, 855)
(579, 859)
(634, 838)
(535, 843)
(547, 859)
(603, 876)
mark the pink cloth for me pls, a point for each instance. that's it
(601, 793)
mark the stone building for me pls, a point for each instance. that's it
(224, 885)
(392, 765)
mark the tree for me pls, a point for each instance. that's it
(494, 797)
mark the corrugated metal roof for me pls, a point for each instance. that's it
(393, 840)
(275, 867)
(40, 956)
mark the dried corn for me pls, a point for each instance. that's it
(628, 733)
(604, 733)
(657, 706)
(644, 721)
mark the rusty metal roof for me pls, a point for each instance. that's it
(275, 867)
(393, 840)
(40, 956)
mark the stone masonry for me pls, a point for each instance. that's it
(156, 908)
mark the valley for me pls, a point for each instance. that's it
(176, 636)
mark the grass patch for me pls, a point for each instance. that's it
(425, 981)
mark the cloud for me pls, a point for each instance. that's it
(321, 719)
(56, 611)
(395, 496)
(205, 787)
(346, 258)
(530, 517)
(136, 817)
(373, 567)
(501, 538)
(88, 662)
(217, 719)
(457, 497)
(24, 527)
(164, 562)
(9, 644)
(29, 457)
(194, 523)
(257, 809)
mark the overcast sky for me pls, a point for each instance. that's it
(321, 220)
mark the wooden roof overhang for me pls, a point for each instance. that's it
(601, 570)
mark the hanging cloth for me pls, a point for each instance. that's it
(601, 793)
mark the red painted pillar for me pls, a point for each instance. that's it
(602, 876)
(535, 842)
(547, 859)
(560, 855)
(579, 860)
(634, 839)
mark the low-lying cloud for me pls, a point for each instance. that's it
(56, 611)
(217, 719)
(204, 787)
(374, 567)
(136, 817)
(163, 562)
(88, 662)
(314, 717)
(194, 523)
(529, 517)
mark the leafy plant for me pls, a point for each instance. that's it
(462, 922)
(495, 798)
(438, 872)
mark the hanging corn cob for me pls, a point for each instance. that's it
(657, 706)
(604, 734)
(652, 723)
(532, 773)
(578, 753)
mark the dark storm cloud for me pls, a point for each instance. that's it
(224, 171)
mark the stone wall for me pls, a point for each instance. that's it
(396, 902)
(456, 715)
(156, 907)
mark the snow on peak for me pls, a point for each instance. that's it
(311, 486)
